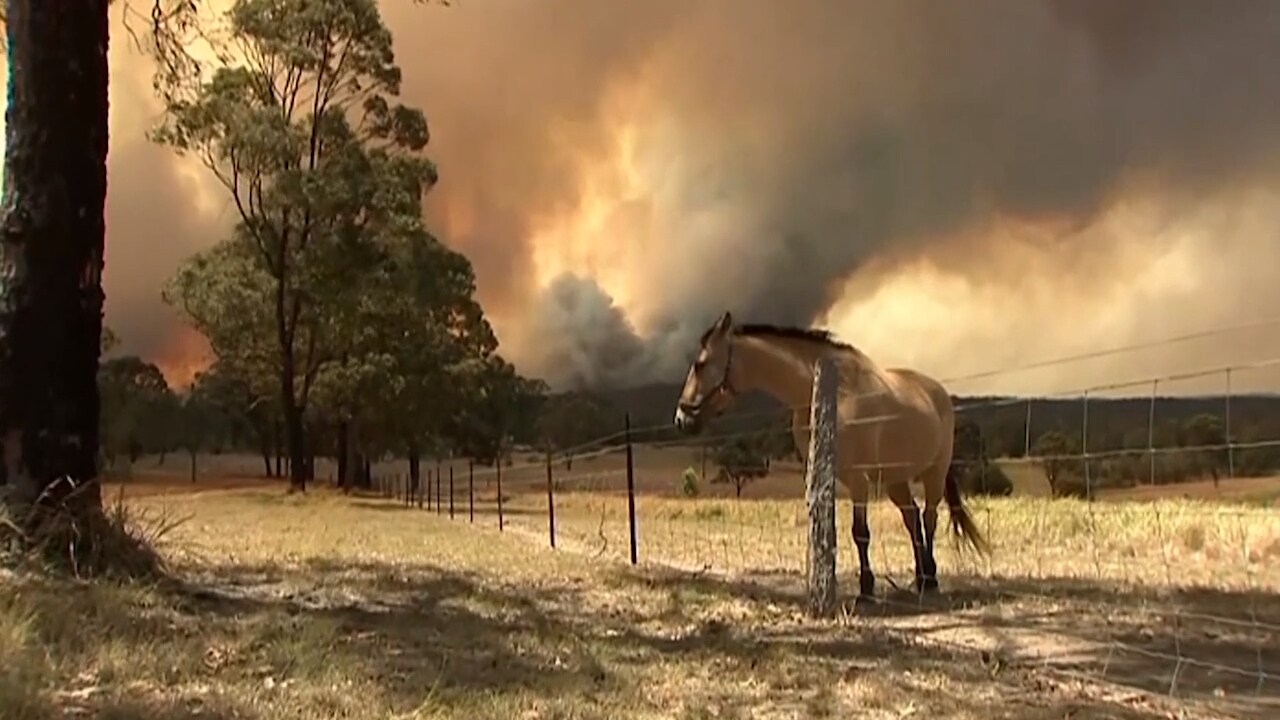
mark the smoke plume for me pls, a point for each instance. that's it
(955, 186)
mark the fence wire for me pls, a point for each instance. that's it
(1120, 557)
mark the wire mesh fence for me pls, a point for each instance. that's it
(1136, 546)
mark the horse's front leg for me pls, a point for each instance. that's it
(859, 491)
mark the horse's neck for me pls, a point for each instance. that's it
(781, 368)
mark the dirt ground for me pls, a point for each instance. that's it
(330, 606)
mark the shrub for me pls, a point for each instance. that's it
(985, 478)
(689, 482)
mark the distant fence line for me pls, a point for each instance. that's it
(1166, 546)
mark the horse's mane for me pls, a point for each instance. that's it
(813, 335)
(793, 333)
(789, 332)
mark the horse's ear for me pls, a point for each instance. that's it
(724, 323)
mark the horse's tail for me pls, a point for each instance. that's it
(962, 524)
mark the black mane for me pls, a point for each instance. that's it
(795, 333)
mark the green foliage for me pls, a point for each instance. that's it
(110, 341)
(689, 483)
(570, 419)
(1207, 436)
(136, 404)
(744, 458)
(331, 303)
(972, 456)
(985, 478)
(1060, 459)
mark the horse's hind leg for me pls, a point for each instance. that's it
(859, 492)
(926, 571)
(933, 479)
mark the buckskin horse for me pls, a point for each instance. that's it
(895, 425)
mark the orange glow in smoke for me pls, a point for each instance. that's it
(608, 232)
(184, 356)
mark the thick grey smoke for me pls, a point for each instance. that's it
(776, 149)
(787, 144)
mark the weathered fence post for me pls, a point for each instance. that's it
(551, 504)
(498, 464)
(451, 490)
(471, 490)
(820, 491)
(631, 490)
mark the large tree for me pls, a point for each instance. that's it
(226, 296)
(137, 408)
(431, 331)
(299, 125)
(51, 257)
(568, 420)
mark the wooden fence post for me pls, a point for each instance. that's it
(498, 464)
(631, 491)
(820, 491)
(551, 504)
(451, 490)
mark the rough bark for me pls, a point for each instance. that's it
(820, 492)
(264, 446)
(344, 466)
(415, 473)
(51, 253)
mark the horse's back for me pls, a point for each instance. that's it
(903, 418)
(923, 391)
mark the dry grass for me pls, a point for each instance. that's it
(324, 606)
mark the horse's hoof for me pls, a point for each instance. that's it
(927, 586)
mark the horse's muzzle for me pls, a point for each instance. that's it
(688, 419)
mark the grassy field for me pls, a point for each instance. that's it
(658, 472)
(323, 605)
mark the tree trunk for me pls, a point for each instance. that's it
(51, 254)
(415, 472)
(295, 444)
(277, 449)
(264, 445)
(343, 449)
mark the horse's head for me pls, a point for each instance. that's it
(707, 388)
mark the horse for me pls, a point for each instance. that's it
(895, 424)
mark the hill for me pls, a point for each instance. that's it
(1114, 425)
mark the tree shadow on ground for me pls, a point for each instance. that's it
(1220, 647)
(413, 628)
(415, 631)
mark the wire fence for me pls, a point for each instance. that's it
(1144, 554)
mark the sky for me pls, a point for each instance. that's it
(955, 187)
